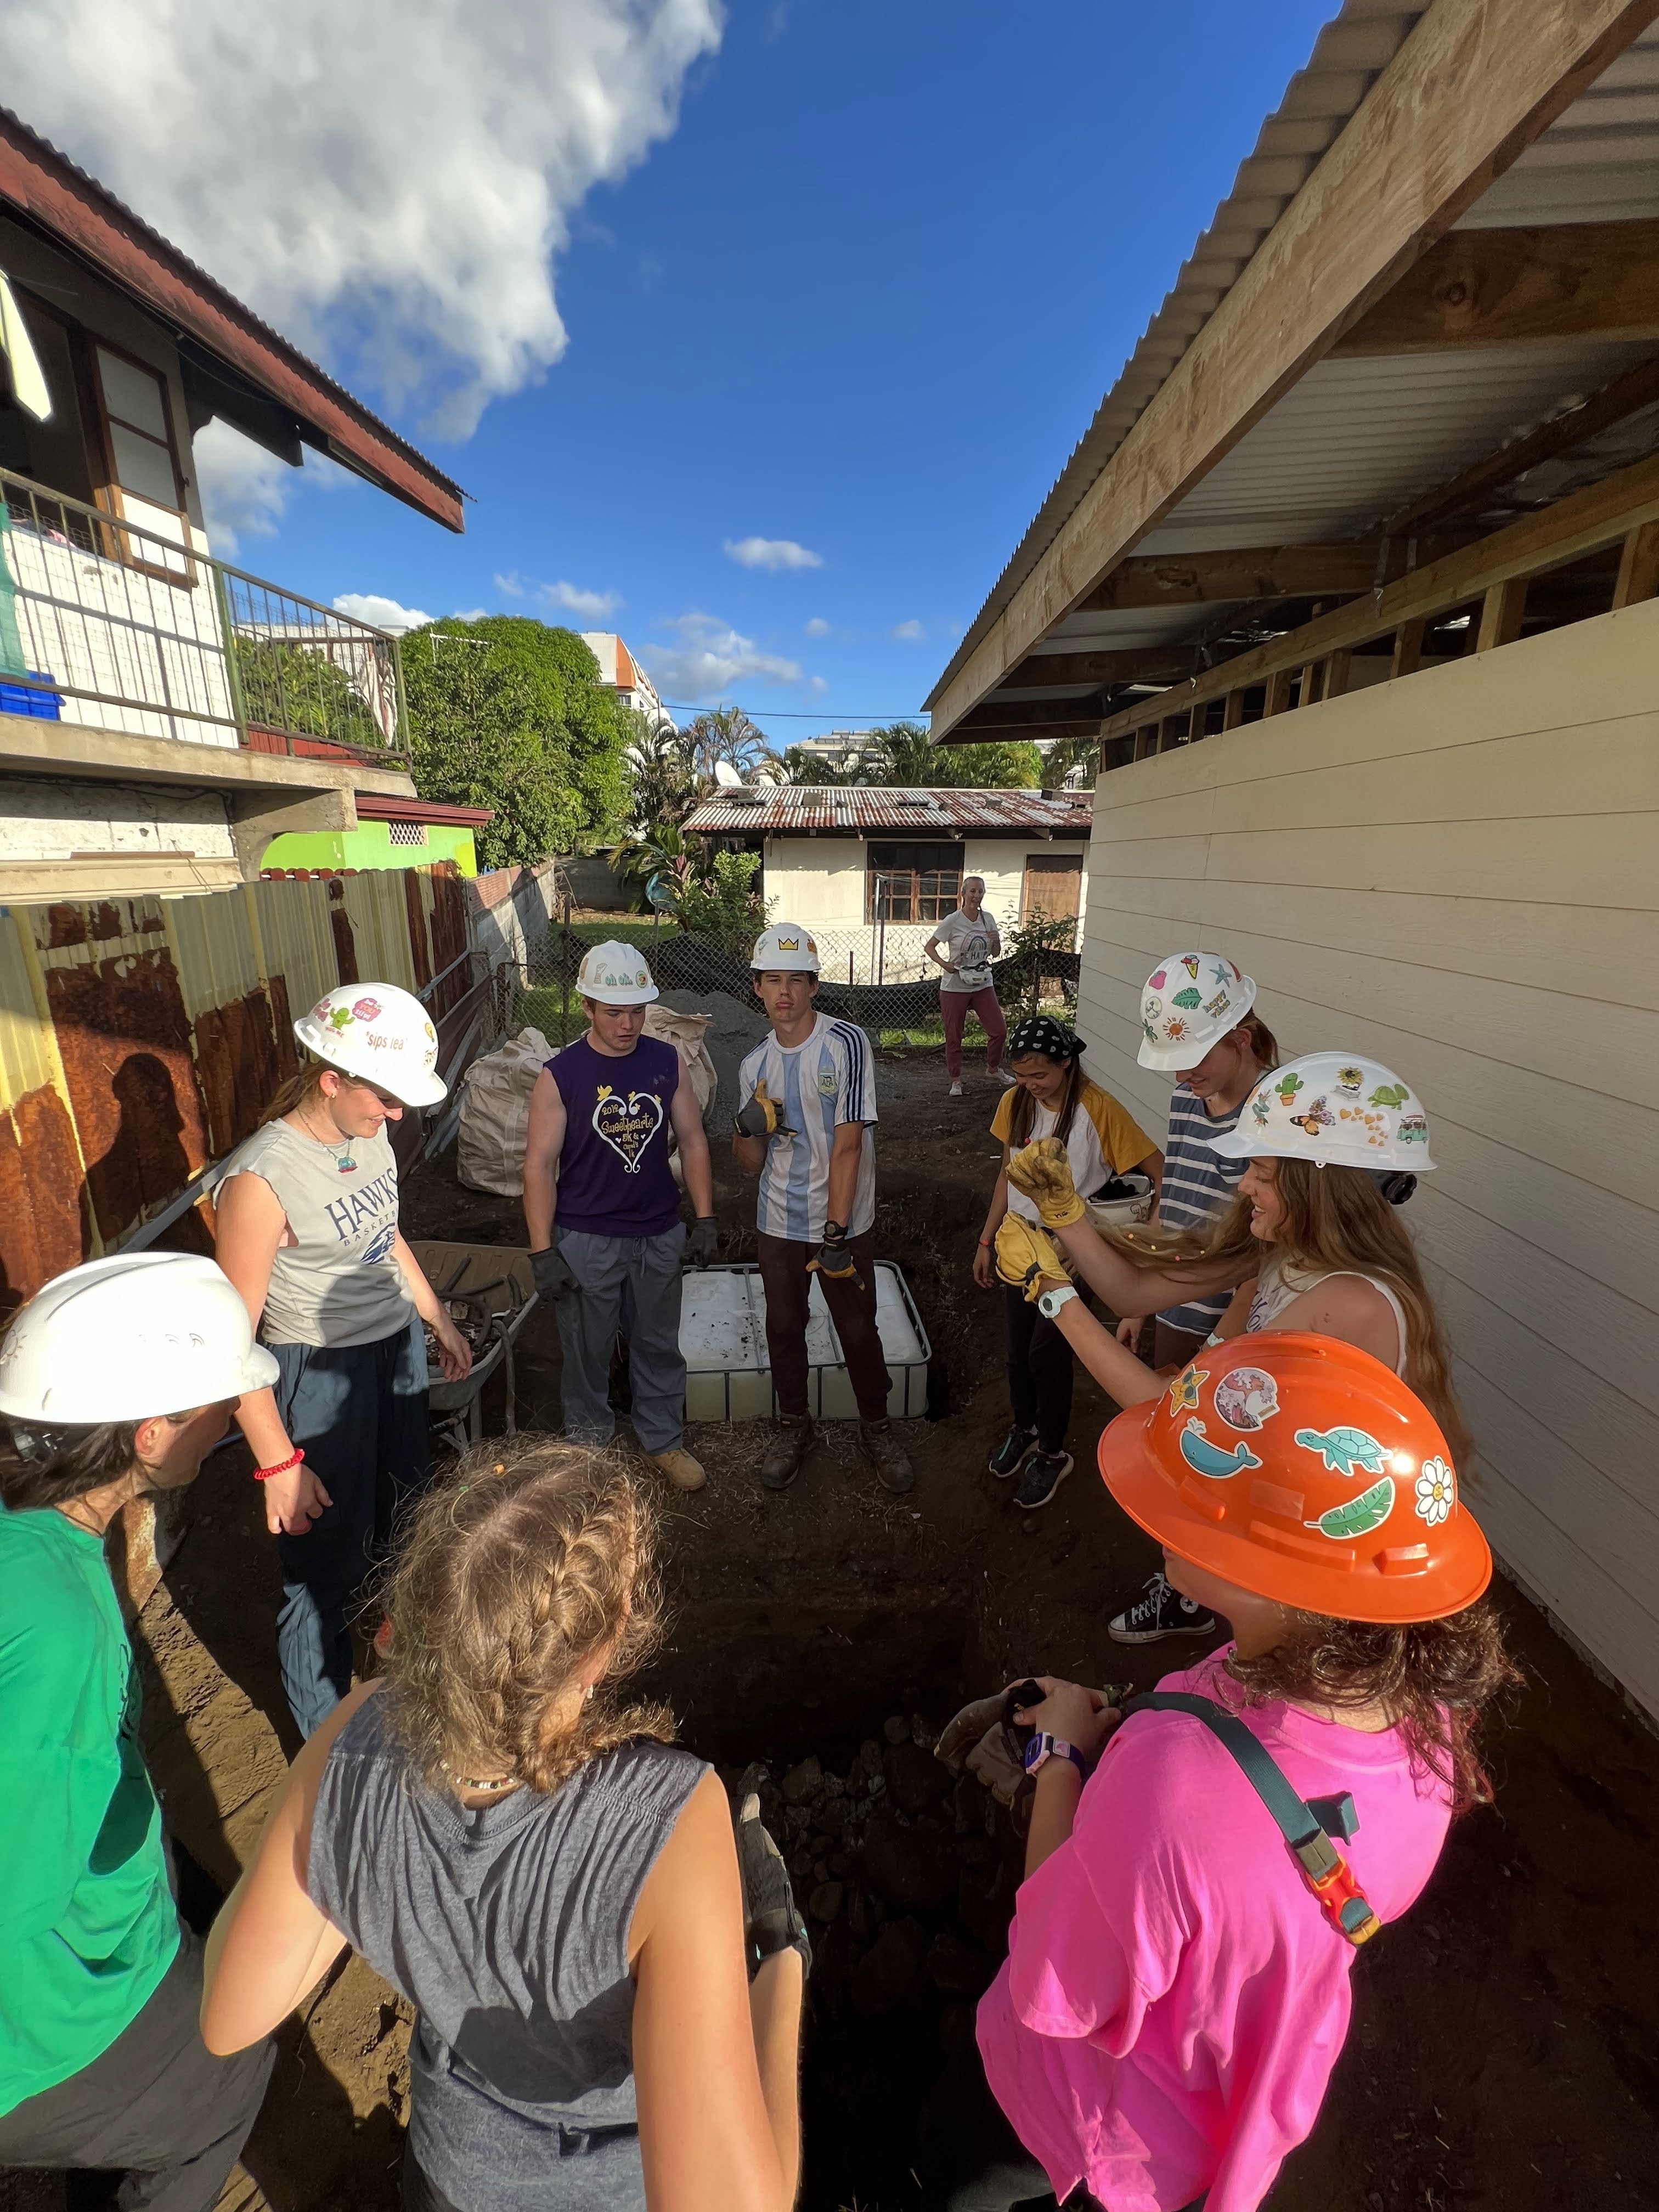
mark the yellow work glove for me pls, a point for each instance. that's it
(763, 1116)
(1042, 1173)
(1026, 1258)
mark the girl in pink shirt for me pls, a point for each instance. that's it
(1176, 1992)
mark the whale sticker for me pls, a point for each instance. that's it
(1210, 1459)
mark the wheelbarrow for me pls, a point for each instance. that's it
(490, 1291)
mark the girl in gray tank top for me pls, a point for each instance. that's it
(537, 1869)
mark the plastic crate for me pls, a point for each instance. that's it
(728, 1375)
(22, 699)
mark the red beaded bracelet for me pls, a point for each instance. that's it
(264, 1473)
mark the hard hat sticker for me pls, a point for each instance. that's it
(1183, 1391)
(1437, 1491)
(1246, 1397)
(1210, 1459)
(1344, 1451)
(1189, 998)
(1389, 1094)
(1189, 961)
(366, 1010)
(1360, 1514)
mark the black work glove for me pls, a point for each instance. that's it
(703, 1244)
(771, 1922)
(832, 1258)
(763, 1116)
(553, 1275)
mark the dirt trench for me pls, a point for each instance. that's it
(1504, 2039)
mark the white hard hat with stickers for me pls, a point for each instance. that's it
(1190, 1002)
(615, 975)
(785, 946)
(1337, 1108)
(381, 1035)
(128, 1338)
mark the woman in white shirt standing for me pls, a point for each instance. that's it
(972, 941)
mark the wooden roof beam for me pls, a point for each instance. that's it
(1274, 572)
(1474, 84)
(1572, 280)
(1141, 663)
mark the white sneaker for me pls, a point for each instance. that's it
(1006, 1080)
(956, 1088)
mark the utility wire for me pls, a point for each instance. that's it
(793, 714)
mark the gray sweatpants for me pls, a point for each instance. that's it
(630, 1285)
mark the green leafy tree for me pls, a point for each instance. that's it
(662, 788)
(1066, 754)
(726, 908)
(510, 713)
(299, 689)
(903, 754)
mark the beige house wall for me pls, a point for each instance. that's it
(1459, 873)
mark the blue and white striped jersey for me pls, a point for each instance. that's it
(1198, 1187)
(828, 1079)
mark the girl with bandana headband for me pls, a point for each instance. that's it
(1052, 1097)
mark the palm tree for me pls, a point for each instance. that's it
(723, 733)
(665, 788)
(904, 754)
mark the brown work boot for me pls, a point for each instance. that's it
(793, 1437)
(682, 1470)
(887, 1456)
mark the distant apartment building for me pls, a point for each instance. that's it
(619, 669)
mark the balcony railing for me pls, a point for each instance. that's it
(126, 624)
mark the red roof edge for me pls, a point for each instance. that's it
(382, 806)
(74, 207)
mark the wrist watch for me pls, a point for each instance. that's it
(1049, 1303)
(1043, 1747)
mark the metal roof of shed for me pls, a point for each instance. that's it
(860, 810)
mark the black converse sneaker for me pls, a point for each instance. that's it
(1160, 1611)
(1011, 1453)
(1044, 1473)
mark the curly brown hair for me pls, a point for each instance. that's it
(1436, 1679)
(528, 1559)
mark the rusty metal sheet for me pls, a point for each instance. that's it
(43, 1225)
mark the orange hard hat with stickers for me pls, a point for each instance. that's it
(1301, 1468)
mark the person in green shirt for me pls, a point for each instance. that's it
(102, 2062)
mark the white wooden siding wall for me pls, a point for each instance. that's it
(1459, 873)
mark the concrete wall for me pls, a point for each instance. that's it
(821, 880)
(1457, 873)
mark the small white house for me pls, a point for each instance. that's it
(873, 870)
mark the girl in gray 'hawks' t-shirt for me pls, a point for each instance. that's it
(533, 1865)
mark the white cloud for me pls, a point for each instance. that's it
(384, 614)
(594, 604)
(510, 585)
(817, 627)
(389, 191)
(771, 553)
(243, 489)
(907, 630)
(470, 614)
(709, 657)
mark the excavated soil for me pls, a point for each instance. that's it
(1502, 2049)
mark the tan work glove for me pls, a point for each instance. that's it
(1027, 1258)
(1042, 1173)
(976, 1739)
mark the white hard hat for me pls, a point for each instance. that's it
(1190, 1002)
(616, 975)
(128, 1338)
(1337, 1108)
(785, 944)
(380, 1033)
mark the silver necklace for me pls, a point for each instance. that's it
(340, 1152)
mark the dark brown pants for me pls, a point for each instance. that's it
(783, 1271)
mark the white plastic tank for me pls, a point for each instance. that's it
(728, 1376)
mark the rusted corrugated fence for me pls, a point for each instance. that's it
(140, 1038)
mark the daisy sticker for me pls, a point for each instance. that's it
(1437, 1491)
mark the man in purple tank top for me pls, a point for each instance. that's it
(596, 1153)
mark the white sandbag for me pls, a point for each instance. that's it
(496, 1114)
(685, 1033)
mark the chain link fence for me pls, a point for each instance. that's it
(548, 998)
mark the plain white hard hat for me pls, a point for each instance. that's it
(616, 975)
(380, 1034)
(1190, 1002)
(785, 946)
(128, 1338)
(1337, 1108)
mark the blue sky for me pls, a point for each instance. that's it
(861, 301)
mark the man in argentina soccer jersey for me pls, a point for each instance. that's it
(805, 1126)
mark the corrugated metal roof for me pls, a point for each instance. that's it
(1356, 440)
(785, 809)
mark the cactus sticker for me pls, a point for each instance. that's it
(1359, 1515)
(1344, 1451)
(1189, 998)
(1389, 1094)
(1287, 1086)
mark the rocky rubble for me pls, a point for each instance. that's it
(906, 1875)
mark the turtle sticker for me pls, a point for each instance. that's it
(1211, 1460)
(627, 1123)
(1245, 1397)
(1388, 1094)
(1189, 998)
(1183, 1391)
(1344, 1451)
(1358, 1516)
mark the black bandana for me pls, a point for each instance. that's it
(1042, 1033)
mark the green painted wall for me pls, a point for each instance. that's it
(370, 846)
